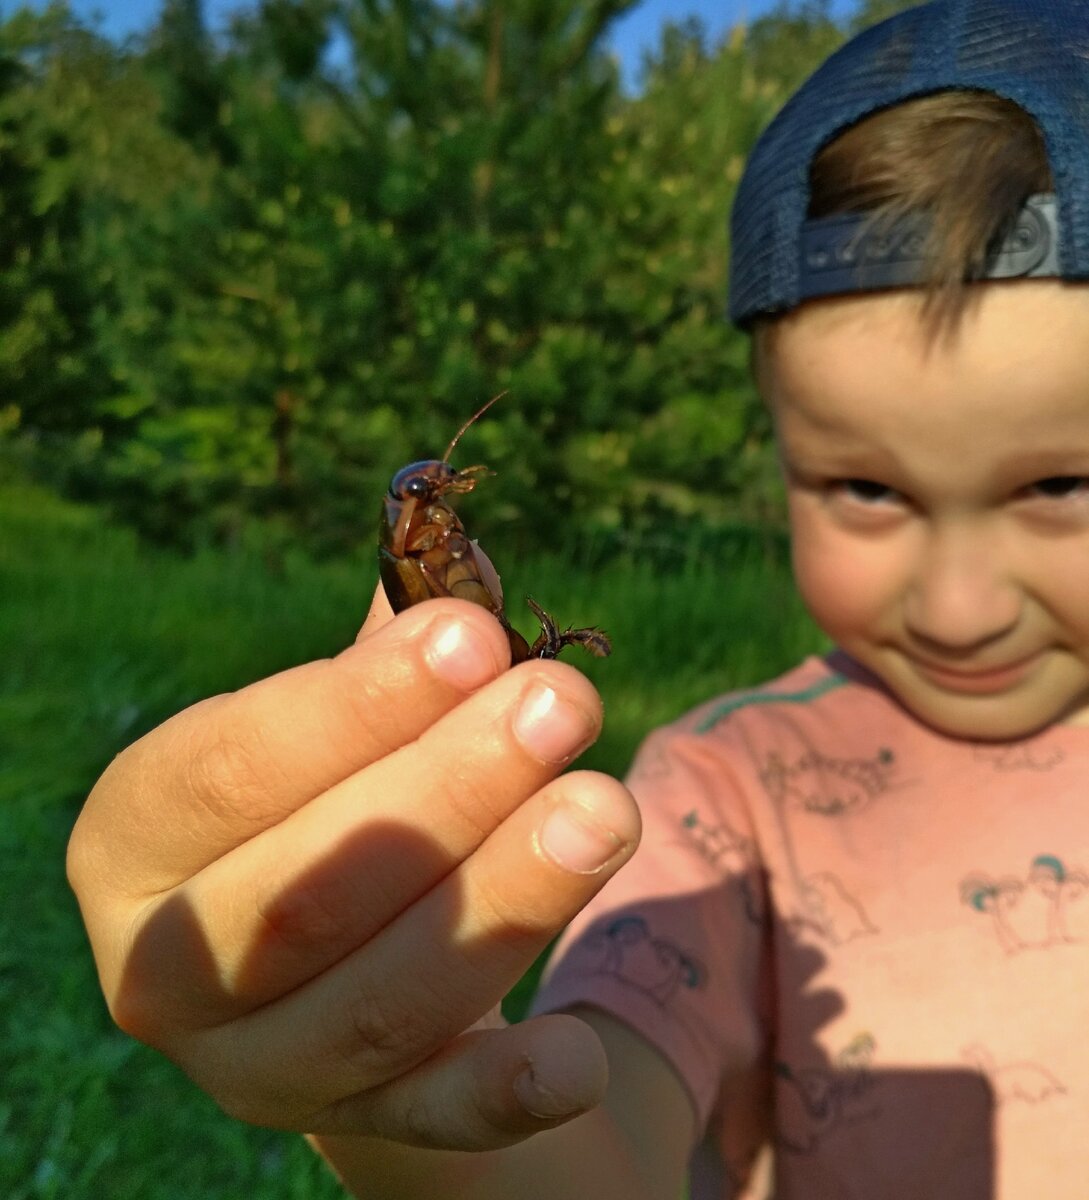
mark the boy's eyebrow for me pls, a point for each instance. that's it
(836, 451)
(846, 461)
(1064, 460)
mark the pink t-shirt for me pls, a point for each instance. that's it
(863, 946)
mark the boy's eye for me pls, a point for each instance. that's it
(1061, 487)
(866, 490)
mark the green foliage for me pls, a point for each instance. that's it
(240, 284)
(52, 374)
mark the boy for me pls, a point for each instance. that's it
(849, 958)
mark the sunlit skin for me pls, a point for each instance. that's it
(939, 497)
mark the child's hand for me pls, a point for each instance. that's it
(306, 892)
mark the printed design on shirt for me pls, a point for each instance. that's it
(732, 704)
(830, 911)
(1045, 908)
(720, 844)
(828, 787)
(627, 949)
(732, 855)
(813, 1102)
(1025, 756)
(1025, 1081)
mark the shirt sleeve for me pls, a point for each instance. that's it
(674, 945)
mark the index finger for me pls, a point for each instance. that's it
(220, 772)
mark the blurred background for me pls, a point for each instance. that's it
(253, 259)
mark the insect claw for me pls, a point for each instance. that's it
(466, 479)
(593, 640)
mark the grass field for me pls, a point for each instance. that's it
(101, 639)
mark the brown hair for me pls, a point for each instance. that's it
(968, 160)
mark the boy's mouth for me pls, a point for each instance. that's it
(980, 680)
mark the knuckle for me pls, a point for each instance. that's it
(134, 1014)
(368, 694)
(86, 847)
(137, 1008)
(365, 701)
(305, 917)
(418, 1124)
(393, 1111)
(384, 1043)
(478, 808)
(512, 913)
(76, 859)
(228, 770)
(466, 1121)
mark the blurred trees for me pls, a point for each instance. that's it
(245, 278)
(52, 374)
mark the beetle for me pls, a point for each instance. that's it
(424, 552)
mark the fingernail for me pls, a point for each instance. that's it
(571, 837)
(459, 656)
(551, 728)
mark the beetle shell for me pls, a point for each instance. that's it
(424, 552)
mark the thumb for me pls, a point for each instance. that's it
(485, 1090)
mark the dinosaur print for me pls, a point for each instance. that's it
(826, 786)
(831, 912)
(655, 966)
(1027, 1082)
(813, 1102)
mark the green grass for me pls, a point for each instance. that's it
(100, 639)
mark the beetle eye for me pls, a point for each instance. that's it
(422, 481)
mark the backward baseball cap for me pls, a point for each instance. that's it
(1032, 52)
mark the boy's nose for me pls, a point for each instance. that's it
(961, 596)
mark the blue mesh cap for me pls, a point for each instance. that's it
(1032, 52)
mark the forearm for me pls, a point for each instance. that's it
(586, 1159)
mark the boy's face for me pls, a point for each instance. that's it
(939, 497)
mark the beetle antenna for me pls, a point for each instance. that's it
(479, 413)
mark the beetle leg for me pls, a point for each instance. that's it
(551, 641)
(548, 643)
(593, 640)
(465, 479)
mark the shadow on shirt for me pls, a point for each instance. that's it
(805, 1109)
